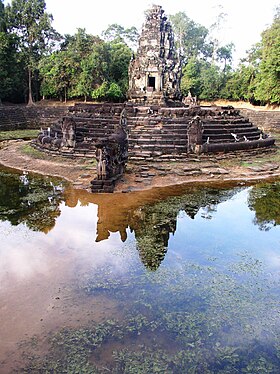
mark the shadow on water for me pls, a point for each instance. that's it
(212, 305)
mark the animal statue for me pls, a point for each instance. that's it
(57, 142)
(235, 137)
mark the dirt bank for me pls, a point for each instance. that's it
(235, 167)
(15, 154)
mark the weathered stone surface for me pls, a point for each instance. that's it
(155, 72)
(158, 129)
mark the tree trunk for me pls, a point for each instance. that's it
(30, 99)
(65, 94)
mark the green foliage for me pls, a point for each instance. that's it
(2, 17)
(28, 200)
(117, 32)
(240, 84)
(100, 92)
(83, 62)
(191, 77)
(191, 37)
(114, 92)
(202, 79)
(224, 54)
(58, 72)
(268, 79)
(18, 134)
(28, 19)
(264, 201)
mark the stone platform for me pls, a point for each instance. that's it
(153, 133)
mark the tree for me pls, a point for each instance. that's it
(58, 71)
(32, 24)
(224, 54)
(190, 36)
(3, 27)
(210, 81)
(10, 72)
(268, 79)
(83, 49)
(8, 65)
(120, 56)
(215, 31)
(191, 77)
(240, 84)
(117, 32)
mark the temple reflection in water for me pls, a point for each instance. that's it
(151, 215)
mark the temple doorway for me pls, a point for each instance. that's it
(152, 82)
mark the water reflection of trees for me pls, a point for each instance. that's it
(151, 215)
(264, 200)
(29, 200)
(153, 224)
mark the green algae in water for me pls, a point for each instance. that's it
(192, 319)
(219, 315)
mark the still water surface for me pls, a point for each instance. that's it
(173, 280)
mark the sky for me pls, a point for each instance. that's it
(245, 20)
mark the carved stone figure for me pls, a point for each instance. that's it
(111, 154)
(194, 135)
(68, 129)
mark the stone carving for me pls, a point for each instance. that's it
(190, 100)
(62, 134)
(111, 154)
(68, 128)
(194, 135)
(155, 72)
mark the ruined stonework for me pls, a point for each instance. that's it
(155, 72)
(111, 155)
(154, 125)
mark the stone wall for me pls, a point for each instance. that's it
(22, 117)
(269, 120)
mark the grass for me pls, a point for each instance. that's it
(18, 134)
(32, 152)
(84, 163)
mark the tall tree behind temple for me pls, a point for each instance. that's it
(2, 17)
(29, 20)
(268, 79)
(190, 36)
(10, 73)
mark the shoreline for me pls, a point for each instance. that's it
(79, 172)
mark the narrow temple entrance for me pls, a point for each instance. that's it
(152, 82)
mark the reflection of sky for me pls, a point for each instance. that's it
(230, 231)
(25, 254)
(224, 233)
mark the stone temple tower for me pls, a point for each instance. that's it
(155, 72)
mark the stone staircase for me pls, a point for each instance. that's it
(218, 130)
(156, 135)
(231, 131)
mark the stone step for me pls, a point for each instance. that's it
(227, 135)
(235, 130)
(227, 140)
